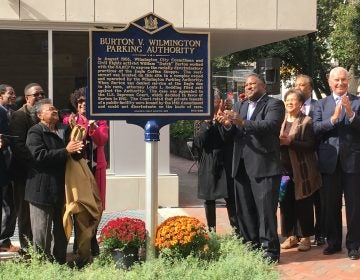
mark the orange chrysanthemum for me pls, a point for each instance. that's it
(185, 234)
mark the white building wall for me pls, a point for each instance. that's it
(218, 14)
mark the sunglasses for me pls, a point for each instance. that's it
(37, 94)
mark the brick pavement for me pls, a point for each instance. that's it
(293, 265)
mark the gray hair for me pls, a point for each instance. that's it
(37, 108)
(310, 80)
(337, 70)
(257, 76)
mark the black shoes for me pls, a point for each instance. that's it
(331, 250)
(353, 254)
(319, 241)
(271, 258)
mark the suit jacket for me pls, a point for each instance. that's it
(45, 184)
(4, 129)
(258, 141)
(312, 107)
(20, 123)
(339, 140)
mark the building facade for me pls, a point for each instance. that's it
(48, 42)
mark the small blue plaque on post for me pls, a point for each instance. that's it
(149, 71)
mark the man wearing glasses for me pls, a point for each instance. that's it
(20, 123)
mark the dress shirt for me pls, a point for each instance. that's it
(306, 106)
(252, 106)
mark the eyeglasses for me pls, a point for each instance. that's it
(37, 94)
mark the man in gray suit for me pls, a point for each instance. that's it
(305, 84)
(337, 123)
(254, 124)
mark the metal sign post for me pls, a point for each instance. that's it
(151, 139)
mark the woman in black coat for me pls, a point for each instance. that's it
(45, 185)
(213, 182)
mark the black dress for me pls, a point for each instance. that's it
(211, 173)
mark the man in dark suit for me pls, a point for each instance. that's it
(8, 222)
(337, 122)
(254, 124)
(305, 84)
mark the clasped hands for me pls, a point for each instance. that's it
(344, 103)
(228, 117)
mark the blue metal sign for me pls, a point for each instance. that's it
(147, 71)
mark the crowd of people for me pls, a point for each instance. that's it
(309, 149)
(247, 151)
(37, 159)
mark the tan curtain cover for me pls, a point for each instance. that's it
(82, 199)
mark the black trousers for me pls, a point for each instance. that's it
(318, 199)
(210, 213)
(256, 206)
(335, 185)
(297, 216)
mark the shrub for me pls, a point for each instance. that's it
(235, 261)
(182, 129)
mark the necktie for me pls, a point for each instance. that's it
(337, 100)
(342, 115)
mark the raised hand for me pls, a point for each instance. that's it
(345, 102)
(74, 147)
(337, 113)
(235, 118)
(72, 120)
(92, 125)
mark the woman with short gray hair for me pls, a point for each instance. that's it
(45, 190)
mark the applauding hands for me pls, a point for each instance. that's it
(228, 117)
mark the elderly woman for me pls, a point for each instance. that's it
(45, 190)
(95, 141)
(300, 167)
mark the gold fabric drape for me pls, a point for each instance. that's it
(82, 199)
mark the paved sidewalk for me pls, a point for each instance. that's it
(293, 265)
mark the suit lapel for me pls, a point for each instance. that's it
(243, 109)
(259, 106)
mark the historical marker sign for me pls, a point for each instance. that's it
(149, 70)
